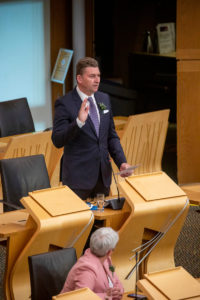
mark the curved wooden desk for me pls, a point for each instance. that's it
(174, 283)
(82, 294)
(154, 201)
(112, 218)
(193, 192)
(56, 217)
(149, 208)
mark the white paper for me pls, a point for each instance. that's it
(131, 168)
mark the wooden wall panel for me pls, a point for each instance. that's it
(61, 37)
(188, 29)
(89, 28)
(188, 121)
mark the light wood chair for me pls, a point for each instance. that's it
(120, 122)
(36, 143)
(30, 144)
(55, 165)
(143, 142)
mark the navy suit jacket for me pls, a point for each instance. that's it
(84, 152)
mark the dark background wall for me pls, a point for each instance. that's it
(120, 30)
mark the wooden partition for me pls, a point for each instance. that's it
(188, 90)
(188, 97)
(188, 141)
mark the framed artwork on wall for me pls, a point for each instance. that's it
(62, 65)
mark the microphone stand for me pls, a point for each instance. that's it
(116, 203)
(136, 295)
(118, 196)
(136, 274)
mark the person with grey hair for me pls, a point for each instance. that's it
(94, 269)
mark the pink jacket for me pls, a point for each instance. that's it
(89, 272)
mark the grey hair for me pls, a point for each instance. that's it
(103, 240)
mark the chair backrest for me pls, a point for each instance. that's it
(22, 175)
(144, 138)
(30, 144)
(143, 142)
(36, 143)
(48, 272)
(15, 117)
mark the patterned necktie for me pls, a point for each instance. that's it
(94, 115)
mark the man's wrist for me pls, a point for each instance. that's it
(79, 123)
(123, 165)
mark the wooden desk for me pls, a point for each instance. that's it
(32, 231)
(17, 229)
(112, 218)
(13, 222)
(175, 283)
(125, 295)
(193, 192)
(84, 293)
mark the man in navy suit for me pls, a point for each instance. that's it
(86, 166)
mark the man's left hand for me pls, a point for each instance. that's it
(124, 167)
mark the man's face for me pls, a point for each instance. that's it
(89, 81)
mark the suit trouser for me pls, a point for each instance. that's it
(99, 188)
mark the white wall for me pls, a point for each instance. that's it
(25, 56)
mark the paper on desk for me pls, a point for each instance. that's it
(131, 168)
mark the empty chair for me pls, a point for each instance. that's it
(15, 117)
(20, 176)
(143, 141)
(48, 272)
(29, 144)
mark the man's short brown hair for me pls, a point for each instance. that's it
(84, 63)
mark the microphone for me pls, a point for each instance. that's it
(115, 182)
(116, 203)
